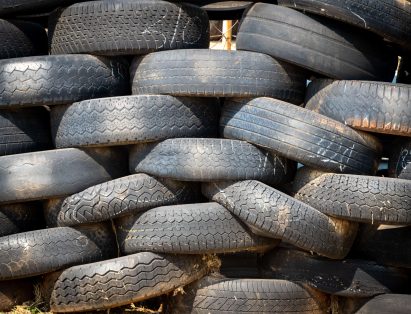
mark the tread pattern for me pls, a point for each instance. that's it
(369, 106)
(128, 27)
(271, 213)
(131, 194)
(400, 159)
(54, 80)
(188, 229)
(197, 159)
(15, 218)
(301, 135)
(211, 73)
(133, 119)
(123, 280)
(360, 198)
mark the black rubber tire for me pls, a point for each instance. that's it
(253, 296)
(224, 10)
(23, 131)
(301, 135)
(211, 73)
(51, 211)
(22, 39)
(346, 278)
(368, 106)
(55, 173)
(360, 198)
(55, 80)
(14, 293)
(13, 7)
(206, 160)
(132, 120)
(324, 46)
(123, 280)
(399, 159)
(15, 218)
(128, 27)
(203, 228)
(271, 213)
(131, 194)
(303, 176)
(42, 251)
(388, 18)
(387, 304)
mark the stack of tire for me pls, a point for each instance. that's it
(138, 166)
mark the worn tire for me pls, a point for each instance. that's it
(14, 293)
(368, 106)
(54, 80)
(37, 252)
(324, 46)
(301, 135)
(15, 218)
(128, 27)
(12, 7)
(131, 194)
(203, 228)
(197, 159)
(55, 173)
(399, 159)
(211, 73)
(123, 280)
(387, 303)
(132, 120)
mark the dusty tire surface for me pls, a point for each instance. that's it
(187, 229)
(324, 46)
(210, 73)
(400, 159)
(199, 159)
(300, 134)
(133, 119)
(54, 173)
(387, 303)
(369, 106)
(15, 218)
(128, 28)
(54, 80)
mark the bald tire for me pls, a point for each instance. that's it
(387, 303)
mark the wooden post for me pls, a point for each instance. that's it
(227, 34)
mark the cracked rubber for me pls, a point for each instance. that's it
(55, 173)
(369, 106)
(198, 159)
(360, 198)
(23, 131)
(15, 218)
(128, 27)
(42, 251)
(327, 47)
(123, 280)
(271, 213)
(211, 73)
(54, 80)
(388, 18)
(131, 194)
(133, 119)
(399, 159)
(387, 303)
(301, 135)
(14, 293)
(188, 229)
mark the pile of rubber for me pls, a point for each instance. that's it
(141, 171)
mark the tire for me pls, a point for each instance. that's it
(204, 228)
(271, 213)
(56, 173)
(14, 293)
(15, 218)
(224, 10)
(388, 303)
(360, 198)
(301, 135)
(22, 39)
(197, 159)
(324, 46)
(128, 27)
(254, 295)
(42, 251)
(51, 211)
(346, 278)
(303, 176)
(388, 18)
(123, 280)
(12, 7)
(23, 131)
(368, 106)
(400, 159)
(55, 80)
(132, 120)
(210, 73)
(127, 195)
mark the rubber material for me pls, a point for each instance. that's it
(399, 159)
(388, 303)
(133, 119)
(209, 160)
(15, 218)
(188, 229)
(12, 7)
(211, 73)
(16, 292)
(301, 135)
